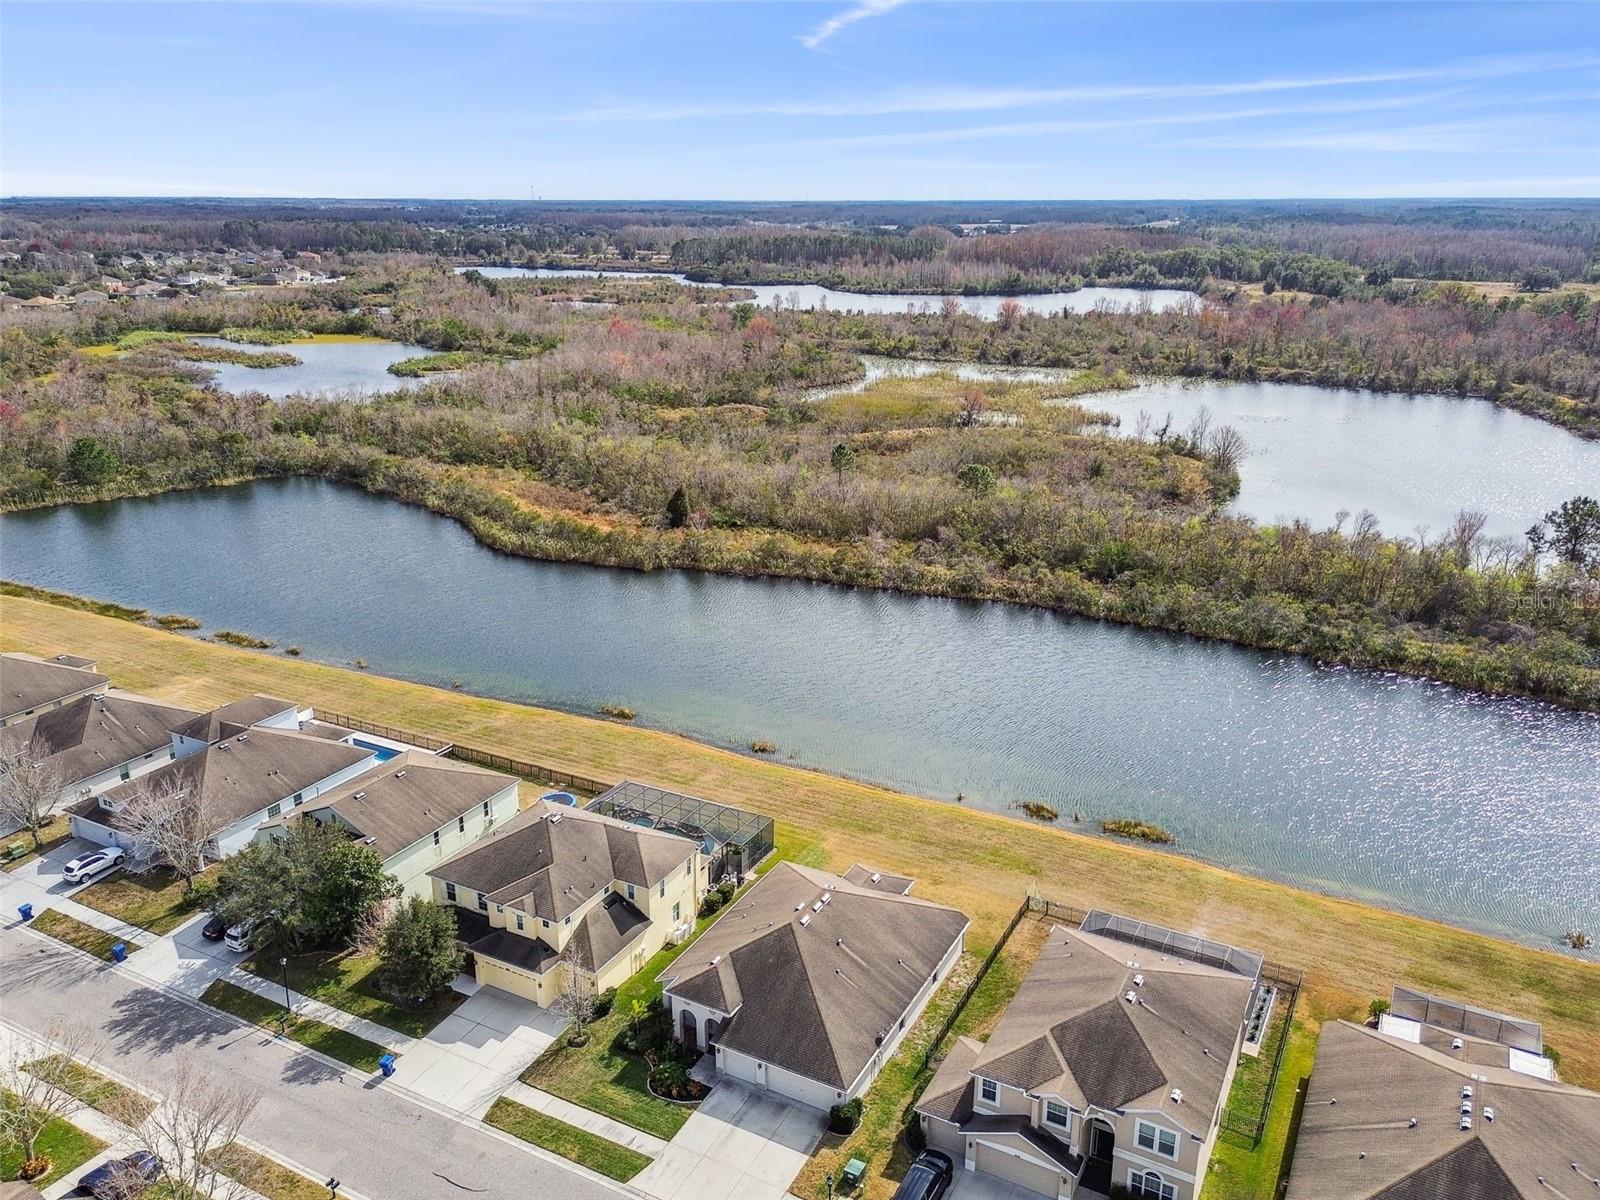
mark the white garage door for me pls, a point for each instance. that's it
(1044, 1180)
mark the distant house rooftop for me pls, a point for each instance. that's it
(228, 718)
(28, 683)
(95, 733)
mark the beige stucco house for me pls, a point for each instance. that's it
(807, 984)
(555, 877)
(1110, 1066)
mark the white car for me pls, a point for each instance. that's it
(237, 938)
(93, 864)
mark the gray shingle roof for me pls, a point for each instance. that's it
(86, 736)
(606, 930)
(878, 881)
(551, 868)
(236, 714)
(1070, 1031)
(815, 998)
(1364, 1147)
(27, 682)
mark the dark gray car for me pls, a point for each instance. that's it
(928, 1177)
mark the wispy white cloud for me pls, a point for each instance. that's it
(864, 10)
(958, 100)
(1460, 137)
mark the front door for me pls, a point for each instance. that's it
(690, 1038)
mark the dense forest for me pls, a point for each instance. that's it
(678, 429)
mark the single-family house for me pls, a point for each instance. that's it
(30, 685)
(148, 291)
(1110, 1066)
(100, 740)
(806, 984)
(414, 810)
(248, 775)
(1449, 1102)
(88, 298)
(555, 878)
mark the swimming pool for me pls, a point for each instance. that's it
(384, 753)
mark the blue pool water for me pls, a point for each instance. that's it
(384, 753)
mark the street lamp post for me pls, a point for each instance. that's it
(283, 963)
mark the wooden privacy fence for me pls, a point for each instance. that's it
(539, 772)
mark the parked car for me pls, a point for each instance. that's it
(121, 1178)
(237, 938)
(215, 929)
(928, 1177)
(93, 864)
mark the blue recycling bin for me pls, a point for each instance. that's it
(386, 1064)
(25, 911)
(119, 952)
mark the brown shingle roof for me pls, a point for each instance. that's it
(87, 735)
(236, 714)
(878, 881)
(1071, 1032)
(27, 682)
(1364, 1147)
(552, 867)
(398, 812)
(815, 998)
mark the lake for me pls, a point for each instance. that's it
(327, 370)
(1470, 809)
(811, 295)
(1413, 460)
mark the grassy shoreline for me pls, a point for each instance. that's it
(980, 862)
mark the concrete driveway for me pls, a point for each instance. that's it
(969, 1185)
(478, 1051)
(44, 872)
(739, 1144)
(185, 960)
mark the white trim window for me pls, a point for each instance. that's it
(1151, 1186)
(1156, 1139)
(988, 1090)
(1057, 1115)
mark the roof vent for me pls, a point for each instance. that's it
(1466, 1091)
(805, 920)
(1412, 1123)
(368, 841)
(399, 774)
(222, 745)
(1138, 981)
(1129, 997)
(1177, 1095)
(244, 737)
(1466, 1123)
(1466, 1107)
(359, 796)
(1488, 1113)
(838, 942)
(826, 896)
(1455, 1043)
(716, 959)
(877, 876)
(817, 907)
(554, 817)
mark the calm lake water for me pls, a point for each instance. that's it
(810, 295)
(1474, 810)
(1413, 460)
(326, 369)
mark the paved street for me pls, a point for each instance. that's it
(380, 1142)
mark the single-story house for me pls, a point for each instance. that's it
(806, 984)
(30, 685)
(248, 775)
(1111, 1065)
(1450, 1103)
(554, 878)
(414, 810)
(98, 741)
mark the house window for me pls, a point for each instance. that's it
(450, 892)
(989, 1090)
(568, 921)
(273, 810)
(483, 902)
(677, 912)
(298, 796)
(519, 922)
(630, 891)
(461, 824)
(435, 837)
(485, 810)
(1151, 1185)
(1163, 1141)
(1058, 1115)
(499, 910)
(663, 889)
(125, 774)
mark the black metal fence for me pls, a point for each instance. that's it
(538, 772)
(1250, 1125)
(931, 1054)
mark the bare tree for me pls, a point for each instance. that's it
(165, 822)
(41, 1080)
(1227, 447)
(30, 787)
(194, 1129)
(575, 1001)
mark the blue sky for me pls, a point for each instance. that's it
(828, 99)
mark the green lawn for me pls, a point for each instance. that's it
(94, 1089)
(258, 1010)
(67, 1147)
(75, 933)
(52, 835)
(265, 1176)
(348, 981)
(612, 1081)
(155, 900)
(877, 1139)
(581, 1146)
(1240, 1172)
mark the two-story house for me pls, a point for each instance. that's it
(1110, 1066)
(414, 811)
(807, 983)
(555, 878)
(30, 685)
(100, 740)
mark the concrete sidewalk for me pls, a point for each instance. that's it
(583, 1118)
